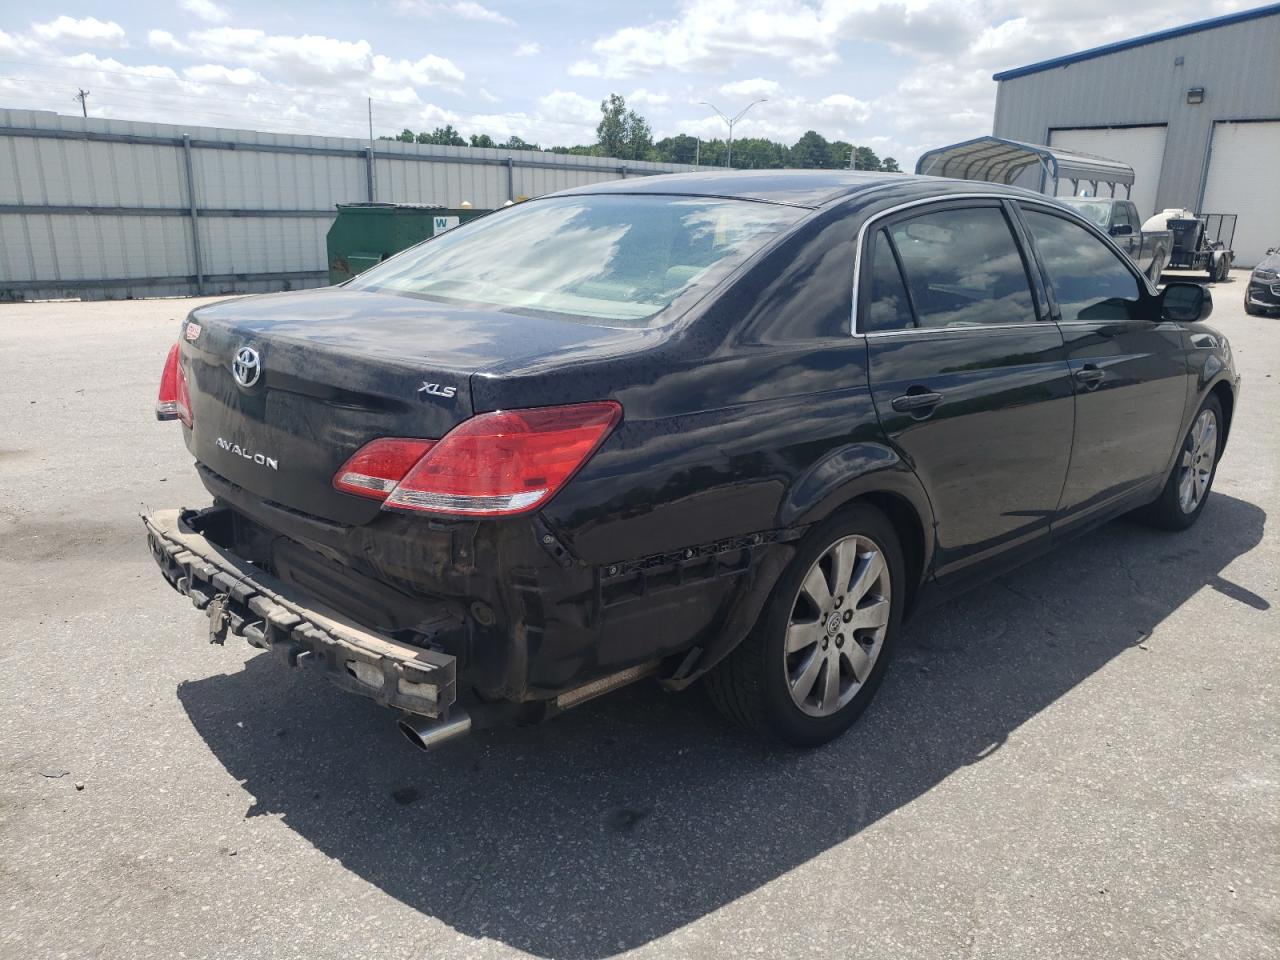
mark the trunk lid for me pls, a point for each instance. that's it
(336, 369)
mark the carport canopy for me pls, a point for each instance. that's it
(996, 160)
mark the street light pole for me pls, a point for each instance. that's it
(728, 157)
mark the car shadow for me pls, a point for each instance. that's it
(641, 812)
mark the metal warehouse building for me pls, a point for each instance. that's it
(1194, 110)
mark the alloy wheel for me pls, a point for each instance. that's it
(837, 626)
(1198, 454)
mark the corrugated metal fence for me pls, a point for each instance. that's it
(115, 209)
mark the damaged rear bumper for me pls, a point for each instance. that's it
(293, 625)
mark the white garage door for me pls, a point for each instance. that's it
(1242, 180)
(1140, 147)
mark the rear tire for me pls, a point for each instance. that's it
(819, 651)
(1187, 490)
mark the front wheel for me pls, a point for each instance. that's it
(1187, 490)
(818, 653)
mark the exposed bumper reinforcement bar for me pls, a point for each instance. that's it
(298, 629)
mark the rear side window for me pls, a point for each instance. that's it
(887, 305)
(963, 268)
(1121, 216)
(1090, 282)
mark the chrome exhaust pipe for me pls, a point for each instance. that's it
(427, 733)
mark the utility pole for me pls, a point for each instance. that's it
(373, 185)
(83, 97)
(697, 150)
(728, 157)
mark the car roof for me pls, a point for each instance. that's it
(805, 188)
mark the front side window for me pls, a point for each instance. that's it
(1090, 282)
(963, 268)
(613, 260)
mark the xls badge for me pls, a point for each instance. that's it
(437, 390)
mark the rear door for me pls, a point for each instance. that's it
(969, 377)
(1129, 368)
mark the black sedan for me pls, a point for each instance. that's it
(1262, 295)
(720, 427)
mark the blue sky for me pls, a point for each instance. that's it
(898, 75)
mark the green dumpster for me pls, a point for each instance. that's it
(365, 234)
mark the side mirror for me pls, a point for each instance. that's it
(1122, 230)
(1185, 302)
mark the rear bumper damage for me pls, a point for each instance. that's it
(298, 629)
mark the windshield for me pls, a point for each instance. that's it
(1099, 211)
(608, 259)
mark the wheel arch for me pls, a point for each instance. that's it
(1227, 398)
(872, 473)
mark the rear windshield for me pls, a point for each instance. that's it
(606, 259)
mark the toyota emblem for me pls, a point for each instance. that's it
(246, 367)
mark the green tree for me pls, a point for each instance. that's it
(611, 132)
(681, 148)
(445, 136)
(864, 158)
(515, 143)
(622, 133)
(757, 153)
(482, 140)
(811, 150)
(890, 165)
(406, 136)
(838, 152)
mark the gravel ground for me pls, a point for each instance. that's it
(1079, 760)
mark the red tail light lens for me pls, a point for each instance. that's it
(506, 462)
(376, 468)
(174, 401)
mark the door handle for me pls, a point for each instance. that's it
(1090, 375)
(914, 402)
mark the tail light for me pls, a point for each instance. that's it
(495, 464)
(174, 401)
(377, 467)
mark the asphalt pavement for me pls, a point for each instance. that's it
(1078, 760)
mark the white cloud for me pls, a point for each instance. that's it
(462, 9)
(759, 87)
(647, 98)
(166, 42)
(468, 10)
(217, 73)
(486, 96)
(563, 105)
(90, 31)
(319, 60)
(206, 10)
(528, 49)
(583, 68)
(108, 68)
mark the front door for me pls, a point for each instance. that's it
(1129, 368)
(970, 383)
